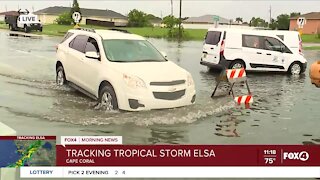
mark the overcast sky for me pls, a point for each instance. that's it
(226, 9)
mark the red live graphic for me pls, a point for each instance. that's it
(188, 155)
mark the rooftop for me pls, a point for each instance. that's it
(56, 10)
(311, 15)
(206, 19)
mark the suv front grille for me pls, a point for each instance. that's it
(169, 95)
(170, 83)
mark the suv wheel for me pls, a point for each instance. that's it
(107, 98)
(295, 68)
(237, 65)
(60, 78)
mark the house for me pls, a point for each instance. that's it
(10, 13)
(312, 25)
(206, 19)
(89, 16)
(156, 22)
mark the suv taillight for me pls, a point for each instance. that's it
(222, 48)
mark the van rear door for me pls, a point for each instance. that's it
(211, 47)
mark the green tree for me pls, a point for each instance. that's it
(75, 8)
(239, 19)
(273, 25)
(170, 21)
(258, 22)
(295, 14)
(138, 18)
(283, 22)
(64, 19)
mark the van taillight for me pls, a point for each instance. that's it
(222, 48)
(300, 47)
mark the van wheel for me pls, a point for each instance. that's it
(60, 77)
(237, 65)
(108, 99)
(295, 68)
(26, 29)
(12, 27)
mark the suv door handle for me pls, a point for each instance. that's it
(259, 52)
(268, 54)
(204, 52)
(212, 48)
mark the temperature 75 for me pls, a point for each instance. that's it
(269, 160)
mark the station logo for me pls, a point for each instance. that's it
(302, 156)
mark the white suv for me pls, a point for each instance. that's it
(122, 71)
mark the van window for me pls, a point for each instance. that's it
(79, 43)
(213, 37)
(251, 41)
(274, 44)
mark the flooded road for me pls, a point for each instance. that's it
(285, 109)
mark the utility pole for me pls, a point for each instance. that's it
(270, 19)
(180, 33)
(171, 7)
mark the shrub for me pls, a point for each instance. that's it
(64, 19)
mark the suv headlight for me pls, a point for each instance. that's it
(134, 82)
(190, 81)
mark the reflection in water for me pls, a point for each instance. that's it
(167, 136)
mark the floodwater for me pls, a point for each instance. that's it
(285, 108)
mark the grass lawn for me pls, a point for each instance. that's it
(157, 32)
(310, 38)
(312, 48)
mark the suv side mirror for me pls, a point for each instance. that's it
(164, 54)
(92, 55)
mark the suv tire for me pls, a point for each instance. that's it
(60, 76)
(107, 98)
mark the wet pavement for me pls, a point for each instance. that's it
(285, 109)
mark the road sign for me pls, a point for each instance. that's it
(216, 18)
(301, 21)
(76, 16)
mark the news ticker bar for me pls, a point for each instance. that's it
(170, 172)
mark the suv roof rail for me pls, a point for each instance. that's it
(120, 30)
(86, 29)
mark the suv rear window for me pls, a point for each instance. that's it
(66, 36)
(79, 43)
(213, 37)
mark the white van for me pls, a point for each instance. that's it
(251, 49)
(291, 38)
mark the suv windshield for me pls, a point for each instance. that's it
(124, 50)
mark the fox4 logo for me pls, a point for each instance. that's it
(302, 156)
